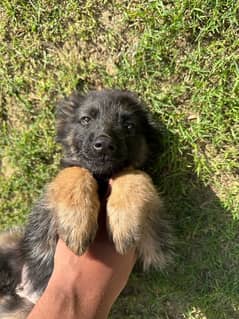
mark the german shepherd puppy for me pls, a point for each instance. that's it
(105, 135)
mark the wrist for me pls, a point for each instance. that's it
(64, 282)
(78, 297)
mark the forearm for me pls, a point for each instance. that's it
(90, 292)
(55, 303)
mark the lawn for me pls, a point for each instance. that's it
(182, 58)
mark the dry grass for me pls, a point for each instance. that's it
(182, 58)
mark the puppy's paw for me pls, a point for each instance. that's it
(131, 200)
(74, 199)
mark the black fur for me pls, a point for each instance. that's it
(10, 270)
(103, 131)
(116, 115)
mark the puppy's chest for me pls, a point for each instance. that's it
(103, 188)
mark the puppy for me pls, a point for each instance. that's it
(108, 139)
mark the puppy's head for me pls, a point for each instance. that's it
(105, 131)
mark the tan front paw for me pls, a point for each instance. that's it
(128, 207)
(74, 199)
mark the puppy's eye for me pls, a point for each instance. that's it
(85, 120)
(129, 126)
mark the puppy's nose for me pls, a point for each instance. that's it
(103, 143)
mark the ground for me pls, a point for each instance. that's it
(182, 58)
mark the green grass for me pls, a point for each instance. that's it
(182, 58)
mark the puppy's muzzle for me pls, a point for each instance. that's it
(103, 144)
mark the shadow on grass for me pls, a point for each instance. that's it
(203, 282)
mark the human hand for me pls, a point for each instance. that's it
(85, 286)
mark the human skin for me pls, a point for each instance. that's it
(85, 286)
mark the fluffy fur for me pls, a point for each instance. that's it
(108, 138)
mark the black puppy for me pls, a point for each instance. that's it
(106, 135)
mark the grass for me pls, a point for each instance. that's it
(182, 58)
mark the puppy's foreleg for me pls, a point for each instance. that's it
(133, 197)
(134, 218)
(72, 196)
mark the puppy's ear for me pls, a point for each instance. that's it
(66, 113)
(154, 133)
(153, 128)
(67, 106)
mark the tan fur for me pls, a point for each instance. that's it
(151, 249)
(132, 202)
(21, 313)
(73, 197)
(10, 239)
(16, 315)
